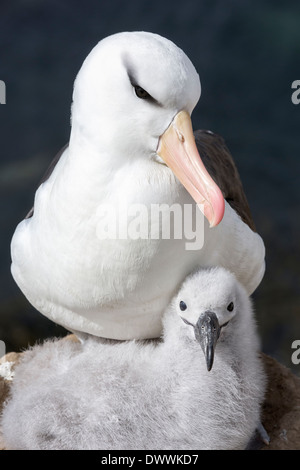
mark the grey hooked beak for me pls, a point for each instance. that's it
(207, 332)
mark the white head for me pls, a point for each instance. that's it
(133, 98)
(104, 91)
(210, 304)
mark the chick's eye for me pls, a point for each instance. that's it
(182, 305)
(141, 93)
(230, 307)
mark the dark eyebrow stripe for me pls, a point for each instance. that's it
(132, 78)
(135, 83)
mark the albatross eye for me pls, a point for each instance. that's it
(141, 93)
(230, 307)
(182, 305)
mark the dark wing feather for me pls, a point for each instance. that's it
(220, 165)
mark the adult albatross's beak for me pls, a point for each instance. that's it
(177, 147)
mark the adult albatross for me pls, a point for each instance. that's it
(131, 144)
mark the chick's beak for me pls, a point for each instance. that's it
(177, 147)
(207, 332)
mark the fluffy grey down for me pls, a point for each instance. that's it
(157, 394)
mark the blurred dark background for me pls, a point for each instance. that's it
(247, 54)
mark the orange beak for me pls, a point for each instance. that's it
(177, 147)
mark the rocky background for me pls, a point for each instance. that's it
(247, 54)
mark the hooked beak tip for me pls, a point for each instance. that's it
(207, 332)
(209, 356)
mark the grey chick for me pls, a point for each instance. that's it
(199, 387)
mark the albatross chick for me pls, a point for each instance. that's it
(199, 387)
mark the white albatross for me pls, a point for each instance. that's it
(131, 143)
